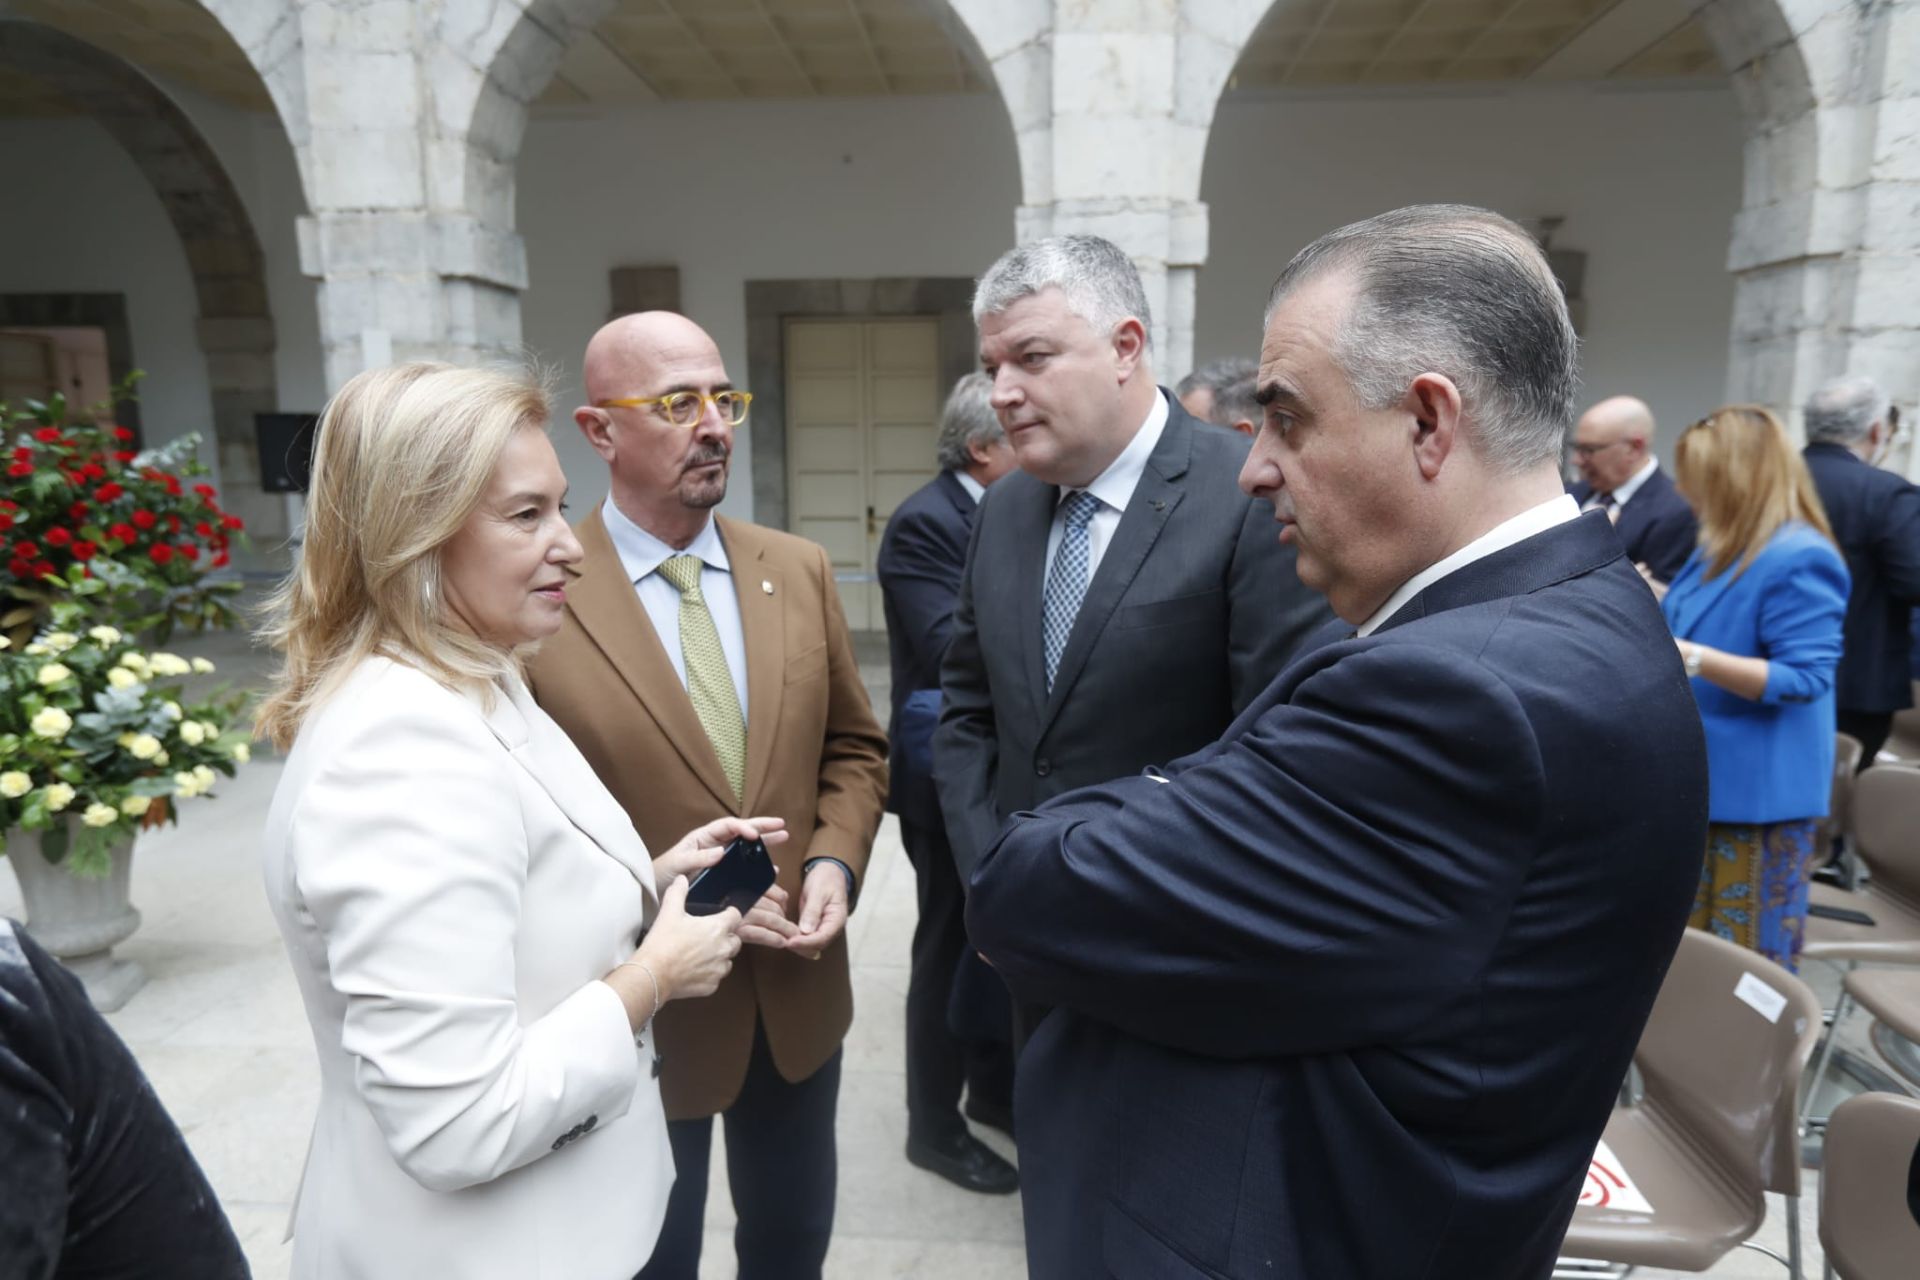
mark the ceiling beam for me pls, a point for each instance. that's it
(1614, 39)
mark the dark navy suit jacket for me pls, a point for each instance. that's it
(1351, 996)
(1656, 525)
(1876, 520)
(921, 556)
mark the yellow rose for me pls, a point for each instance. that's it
(186, 786)
(144, 746)
(58, 796)
(59, 641)
(134, 806)
(14, 784)
(242, 753)
(105, 635)
(161, 759)
(202, 667)
(121, 678)
(192, 734)
(171, 710)
(52, 723)
(53, 673)
(99, 815)
(168, 664)
(137, 663)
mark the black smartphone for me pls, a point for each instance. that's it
(1846, 915)
(743, 874)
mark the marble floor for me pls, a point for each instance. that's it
(220, 1031)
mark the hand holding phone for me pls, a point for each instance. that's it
(739, 880)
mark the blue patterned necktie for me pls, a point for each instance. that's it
(1067, 579)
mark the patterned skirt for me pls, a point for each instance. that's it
(1753, 886)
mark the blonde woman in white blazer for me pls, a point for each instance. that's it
(462, 900)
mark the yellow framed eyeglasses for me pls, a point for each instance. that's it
(686, 408)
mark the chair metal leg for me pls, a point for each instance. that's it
(1793, 1236)
(1840, 1011)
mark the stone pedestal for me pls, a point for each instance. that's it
(79, 919)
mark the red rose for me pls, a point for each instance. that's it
(124, 455)
(233, 522)
(84, 551)
(202, 528)
(206, 491)
(188, 551)
(23, 453)
(20, 470)
(58, 537)
(40, 570)
(219, 561)
(19, 568)
(79, 511)
(47, 435)
(173, 524)
(6, 505)
(123, 532)
(6, 522)
(94, 471)
(160, 552)
(172, 483)
(144, 519)
(27, 550)
(108, 492)
(121, 433)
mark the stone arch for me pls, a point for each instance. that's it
(235, 323)
(270, 34)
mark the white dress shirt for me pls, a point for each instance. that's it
(974, 488)
(1555, 511)
(1114, 487)
(1624, 494)
(642, 554)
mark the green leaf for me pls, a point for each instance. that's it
(53, 845)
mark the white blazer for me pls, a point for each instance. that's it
(450, 883)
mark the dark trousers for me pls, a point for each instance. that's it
(1871, 727)
(940, 1062)
(781, 1168)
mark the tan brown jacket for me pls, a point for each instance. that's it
(815, 756)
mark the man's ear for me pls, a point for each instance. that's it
(1129, 346)
(597, 428)
(1433, 401)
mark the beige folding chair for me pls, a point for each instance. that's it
(1722, 1058)
(1892, 996)
(1885, 836)
(1846, 763)
(1904, 742)
(1870, 1189)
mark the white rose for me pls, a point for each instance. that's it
(241, 753)
(5, 643)
(53, 673)
(171, 710)
(144, 746)
(134, 806)
(192, 734)
(60, 641)
(105, 635)
(136, 663)
(36, 650)
(186, 786)
(168, 664)
(205, 776)
(14, 784)
(202, 666)
(58, 796)
(121, 678)
(99, 815)
(52, 723)
(161, 759)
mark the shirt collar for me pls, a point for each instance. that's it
(1116, 484)
(641, 553)
(1554, 511)
(1624, 494)
(974, 488)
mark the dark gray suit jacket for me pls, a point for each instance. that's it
(1194, 609)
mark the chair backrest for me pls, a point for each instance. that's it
(1846, 762)
(1886, 829)
(1870, 1188)
(1722, 1056)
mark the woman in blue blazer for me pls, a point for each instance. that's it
(1757, 612)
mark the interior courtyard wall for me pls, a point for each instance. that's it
(845, 188)
(1648, 182)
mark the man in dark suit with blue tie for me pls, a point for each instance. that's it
(1123, 600)
(1350, 993)
(1876, 520)
(1612, 447)
(921, 556)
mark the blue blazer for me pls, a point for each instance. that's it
(1770, 760)
(1876, 520)
(1350, 997)
(1656, 526)
(921, 556)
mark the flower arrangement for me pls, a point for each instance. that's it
(83, 514)
(91, 730)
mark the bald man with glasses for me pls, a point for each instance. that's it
(704, 667)
(1612, 448)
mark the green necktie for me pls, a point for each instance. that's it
(709, 680)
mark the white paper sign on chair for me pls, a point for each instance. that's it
(1609, 1187)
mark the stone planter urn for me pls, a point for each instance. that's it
(80, 918)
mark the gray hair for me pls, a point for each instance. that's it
(968, 420)
(1216, 376)
(1239, 402)
(1463, 292)
(1101, 284)
(1845, 409)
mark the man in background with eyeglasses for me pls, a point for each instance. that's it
(1612, 447)
(704, 668)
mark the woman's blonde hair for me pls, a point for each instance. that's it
(402, 457)
(1745, 479)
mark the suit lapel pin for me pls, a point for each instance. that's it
(766, 586)
(1159, 504)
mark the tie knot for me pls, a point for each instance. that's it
(683, 572)
(1605, 501)
(1080, 509)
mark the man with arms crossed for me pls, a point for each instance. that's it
(704, 669)
(1351, 992)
